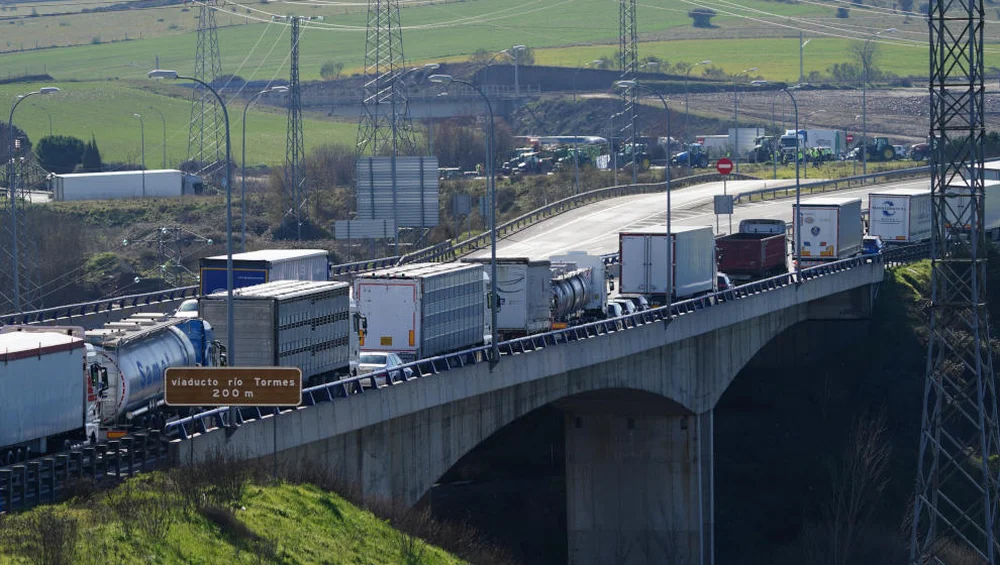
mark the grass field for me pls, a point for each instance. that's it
(105, 108)
(276, 523)
(430, 32)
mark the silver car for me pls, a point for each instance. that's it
(371, 361)
(187, 309)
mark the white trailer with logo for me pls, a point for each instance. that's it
(901, 215)
(831, 230)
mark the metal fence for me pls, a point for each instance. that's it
(830, 185)
(50, 479)
(99, 306)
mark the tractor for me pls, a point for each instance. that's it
(696, 152)
(879, 149)
(764, 148)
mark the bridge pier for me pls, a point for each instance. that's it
(638, 486)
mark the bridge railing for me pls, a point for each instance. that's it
(829, 185)
(98, 306)
(369, 383)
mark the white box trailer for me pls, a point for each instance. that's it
(643, 261)
(742, 139)
(265, 265)
(831, 229)
(991, 205)
(43, 390)
(424, 309)
(304, 324)
(901, 215)
(524, 288)
(117, 185)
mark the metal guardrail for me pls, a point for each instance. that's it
(50, 479)
(828, 185)
(452, 249)
(98, 306)
(369, 383)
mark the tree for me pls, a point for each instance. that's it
(331, 70)
(865, 53)
(91, 159)
(59, 153)
(702, 17)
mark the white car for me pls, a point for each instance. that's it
(187, 309)
(371, 361)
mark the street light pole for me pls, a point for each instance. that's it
(12, 193)
(230, 326)
(576, 150)
(142, 145)
(633, 84)
(802, 47)
(243, 164)
(516, 49)
(798, 193)
(164, 120)
(491, 188)
(687, 133)
(864, 98)
(736, 119)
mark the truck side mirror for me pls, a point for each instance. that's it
(611, 284)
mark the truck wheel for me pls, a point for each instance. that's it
(888, 153)
(703, 162)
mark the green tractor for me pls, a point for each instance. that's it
(879, 149)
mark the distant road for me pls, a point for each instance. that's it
(594, 228)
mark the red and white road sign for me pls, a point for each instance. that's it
(850, 138)
(724, 166)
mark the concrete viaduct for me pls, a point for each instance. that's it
(637, 398)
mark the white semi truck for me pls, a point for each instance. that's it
(643, 256)
(831, 230)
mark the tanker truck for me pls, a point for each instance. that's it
(579, 289)
(128, 359)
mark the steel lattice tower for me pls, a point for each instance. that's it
(295, 187)
(956, 493)
(22, 175)
(206, 135)
(383, 126)
(628, 64)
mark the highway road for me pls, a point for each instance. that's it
(594, 228)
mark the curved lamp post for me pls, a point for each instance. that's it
(243, 164)
(230, 333)
(629, 85)
(142, 146)
(736, 118)
(864, 98)
(576, 150)
(687, 134)
(15, 272)
(491, 188)
(516, 50)
(164, 120)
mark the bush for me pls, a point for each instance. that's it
(843, 13)
(59, 153)
(331, 70)
(702, 17)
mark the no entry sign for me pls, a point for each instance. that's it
(724, 166)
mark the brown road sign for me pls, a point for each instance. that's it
(233, 386)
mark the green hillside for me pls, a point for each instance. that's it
(105, 108)
(150, 520)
